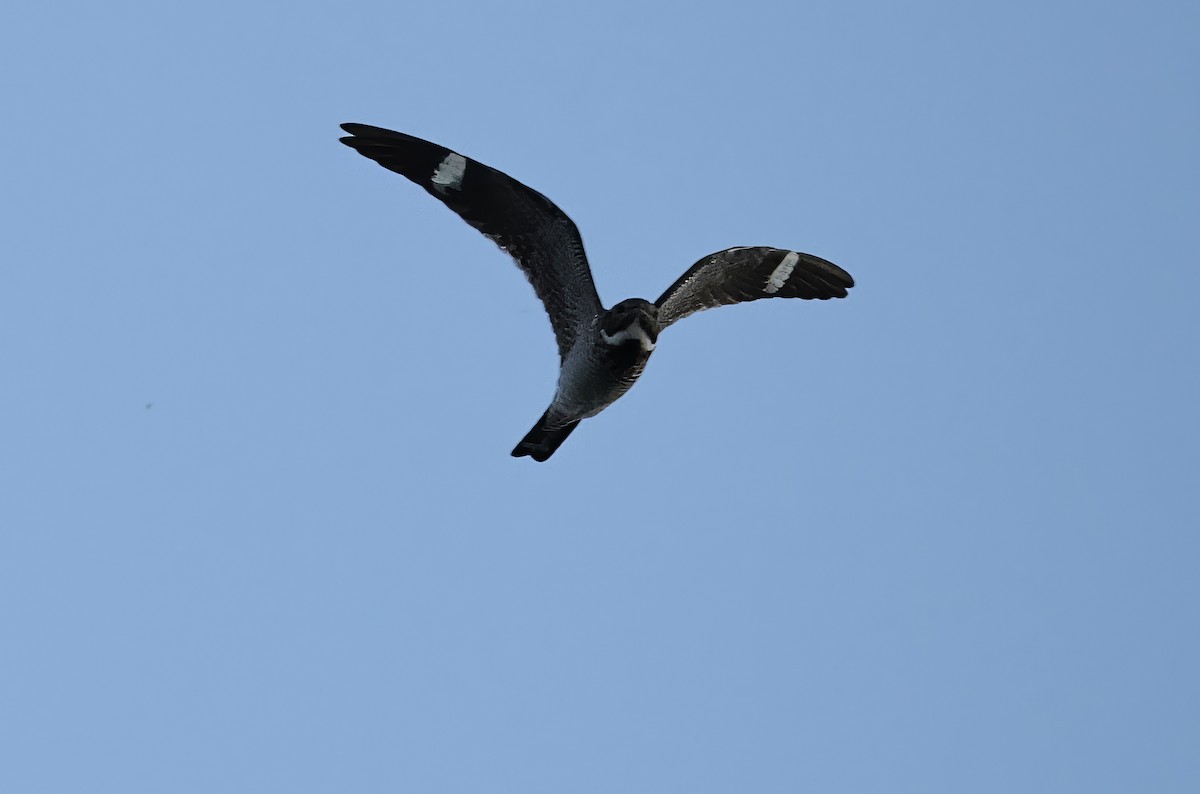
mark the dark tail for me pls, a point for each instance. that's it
(540, 443)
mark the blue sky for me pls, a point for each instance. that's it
(259, 527)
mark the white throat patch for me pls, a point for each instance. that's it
(449, 173)
(634, 331)
(780, 275)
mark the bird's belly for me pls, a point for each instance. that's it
(585, 391)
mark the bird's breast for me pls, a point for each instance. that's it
(593, 379)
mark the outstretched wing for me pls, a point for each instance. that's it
(537, 234)
(743, 274)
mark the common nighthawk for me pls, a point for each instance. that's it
(601, 351)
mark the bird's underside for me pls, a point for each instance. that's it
(602, 351)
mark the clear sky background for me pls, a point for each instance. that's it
(259, 526)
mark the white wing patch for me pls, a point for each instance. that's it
(780, 274)
(449, 173)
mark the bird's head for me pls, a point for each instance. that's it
(631, 322)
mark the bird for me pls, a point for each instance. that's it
(602, 352)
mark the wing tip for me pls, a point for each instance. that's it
(371, 131)
(358, 134)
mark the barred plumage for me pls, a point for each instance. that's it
(602, 351)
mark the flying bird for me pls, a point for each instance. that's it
(602, 352)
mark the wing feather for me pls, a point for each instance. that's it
(737, 275)
(537, 234)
